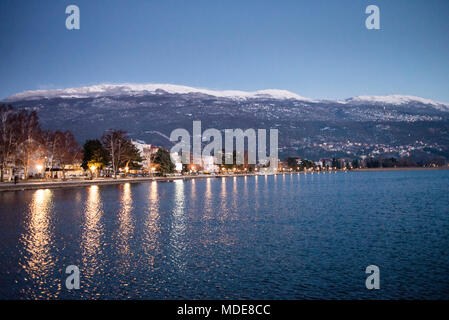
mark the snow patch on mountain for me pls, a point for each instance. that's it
(396, 100)
(149, 88)
(133, 89)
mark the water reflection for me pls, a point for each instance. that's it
(245, 187)
(37, 241)
(92, 231)
(152, 225)
(235, 197)
(223, 188)
(208, 201)
(178, 228)
(224, 210)
(125, 220)
(266, 188)
(256, 193)
(260, 245)
(193, 189)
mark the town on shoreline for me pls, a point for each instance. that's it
(31, 157)
(55, 184)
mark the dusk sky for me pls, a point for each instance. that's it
(317, 49)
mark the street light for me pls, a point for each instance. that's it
(39, 168)
(93, 168)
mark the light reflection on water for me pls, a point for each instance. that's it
(93, 229)
(178, 228)
(208, 210)
(290, 236)
(151, 225)
(193, 188)
(223, 205)
(126, 227)
(37, 243)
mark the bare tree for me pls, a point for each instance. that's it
(114, 142)
(29, 138)
(121, 151)
(67, 150)
(8, 137)
(49, 141)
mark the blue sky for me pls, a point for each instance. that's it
(317, 49)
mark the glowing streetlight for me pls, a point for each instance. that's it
(92, 169)
(39, 168)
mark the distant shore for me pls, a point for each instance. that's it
(33, 185)
(399, 169)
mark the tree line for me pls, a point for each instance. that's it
(23, 141)
(115, 150)
(369, 162)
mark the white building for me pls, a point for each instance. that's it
(146, 151)
(209, 164)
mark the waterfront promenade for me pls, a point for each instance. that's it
(32, 185)
(53, 184)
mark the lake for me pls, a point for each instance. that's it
(257, 237)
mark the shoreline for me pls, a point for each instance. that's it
(8, 186)
(398, 169)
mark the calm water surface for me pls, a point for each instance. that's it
(265, 237)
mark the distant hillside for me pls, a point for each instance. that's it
(367, 125)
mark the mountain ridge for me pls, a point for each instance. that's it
(148, 88)
(104, 90)
(355, 127)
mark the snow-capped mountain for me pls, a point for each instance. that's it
(395, 100)
(149, 88)
(363, 125)
(127, 89)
